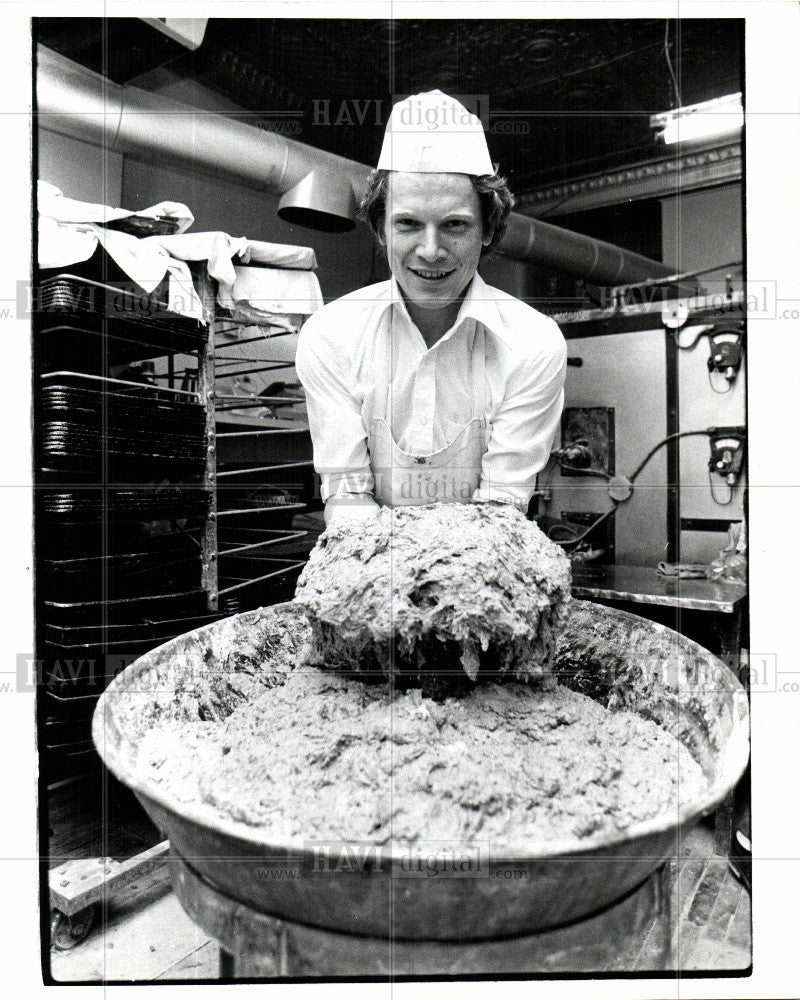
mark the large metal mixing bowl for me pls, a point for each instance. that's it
(617, 658)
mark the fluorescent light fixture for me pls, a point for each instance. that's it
(188, 31)
(721, 116)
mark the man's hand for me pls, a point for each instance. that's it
(350, 508)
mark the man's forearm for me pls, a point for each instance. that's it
(350, 507)
(518, 497)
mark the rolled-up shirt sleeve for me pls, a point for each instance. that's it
(524, 424)
(341, 456)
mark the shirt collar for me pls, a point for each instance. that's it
(479, 304)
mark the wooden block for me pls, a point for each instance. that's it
(75, 885)
(78, 880)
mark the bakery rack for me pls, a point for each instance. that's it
(264, 472)
(149, 522)
(125, 491)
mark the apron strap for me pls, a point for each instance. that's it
(383, 380)
(478, 365)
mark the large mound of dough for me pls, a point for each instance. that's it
(325, 757)
(440, 592)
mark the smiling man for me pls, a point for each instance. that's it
(432, 387)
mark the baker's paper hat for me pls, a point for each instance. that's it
(432, 133)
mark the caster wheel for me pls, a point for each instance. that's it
(67, 932)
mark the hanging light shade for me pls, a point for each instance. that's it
(322, 200)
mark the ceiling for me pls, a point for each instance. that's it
(564, 97)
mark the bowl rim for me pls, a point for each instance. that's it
(733, 761)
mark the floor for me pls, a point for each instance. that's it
(145, 935)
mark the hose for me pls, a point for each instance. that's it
(583, 534)
(657, 447)
(632, 479)
(585, 472)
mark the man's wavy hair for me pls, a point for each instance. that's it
(493, 193)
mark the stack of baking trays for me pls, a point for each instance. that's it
(94, 311)
(122, 497)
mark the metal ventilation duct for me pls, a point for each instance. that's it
(78, 103)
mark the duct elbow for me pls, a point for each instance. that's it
(321, 200)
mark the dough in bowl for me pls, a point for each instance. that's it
(437, 596)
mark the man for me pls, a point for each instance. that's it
(432, 387)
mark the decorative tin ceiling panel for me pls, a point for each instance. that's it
(565, 97)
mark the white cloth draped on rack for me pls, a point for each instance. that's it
(283, 286)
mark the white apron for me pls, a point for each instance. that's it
(449, 475)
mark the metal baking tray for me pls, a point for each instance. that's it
(131, 574)
(158, 629)
(77, 671)
(63, 440)
(121, 310)
(127, 610)
(79, 661)
(103, 535)
(126, 456)
(67, 342)
(131, 504)
(86, 416)
(127, 392)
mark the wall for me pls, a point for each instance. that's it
(626, 371)
(702, 229)
(81, 170)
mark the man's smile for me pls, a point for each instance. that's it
(430, 274)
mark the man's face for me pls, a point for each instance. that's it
(434, 234)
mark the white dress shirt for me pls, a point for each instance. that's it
(526, 358)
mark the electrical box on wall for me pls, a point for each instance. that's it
(592, 428)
